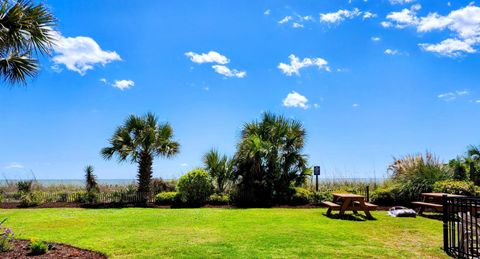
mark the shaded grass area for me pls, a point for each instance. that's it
(220, 233)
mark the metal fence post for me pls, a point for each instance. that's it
(445, 223)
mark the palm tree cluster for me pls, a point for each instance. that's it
(138, 140)
(269, 160)
(25, 33)
(467, 167)
(220, 169)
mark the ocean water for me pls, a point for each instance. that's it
(79, 182)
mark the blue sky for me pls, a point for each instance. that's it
(369, 80)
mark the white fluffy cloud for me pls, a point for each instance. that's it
(391, 52)
(80, 54)
(285, 19)
(267, 12)
(375, 38)
(296, 64)
(219, 59)
(393, 2)
(339, 15)
(210, 57)
(123, 84)
(464, 23)
(450, 96)
(295, 100)
(368, 15)
(223, 70)
(13, 165)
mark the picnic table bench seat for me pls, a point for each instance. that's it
(427, 204)
(331, 205)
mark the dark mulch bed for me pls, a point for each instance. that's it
(20, 250)
(13, 205)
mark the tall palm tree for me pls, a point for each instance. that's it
(219, 168)
(25, 33)
(138, 140)
(269, 159)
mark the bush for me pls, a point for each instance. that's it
(38, 247)
(219, 199)
(24, 186)
(414, 174)
(159, 185)
(455, 187)
(195, 187)
(301, 196)
(318, 197)
(167, 198)
(30, 200)
(91, 197)
(385, 196)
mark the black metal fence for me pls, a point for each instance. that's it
(461, 226)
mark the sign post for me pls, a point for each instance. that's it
(316, 172)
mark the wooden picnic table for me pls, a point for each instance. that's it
(349, 202)
(432, 200)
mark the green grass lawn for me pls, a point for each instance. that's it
(244, 233)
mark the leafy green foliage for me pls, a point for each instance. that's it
(6, 236)
(218, 199)
(159, 185)
(455, 187)
(139, 140)
(269, 160)
(167, 198)
(414, 174)
(195, 187)
(26, 31)
(386, 196)
(24, 186)
(301, 196)
(30, 199)
(220, 169)
(37, 247)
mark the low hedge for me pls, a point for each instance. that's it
(455, 187)
(167, 198)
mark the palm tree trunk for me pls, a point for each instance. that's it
(144, 174)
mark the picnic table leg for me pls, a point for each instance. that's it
(420, 211)
(366, 210)
(346, 203)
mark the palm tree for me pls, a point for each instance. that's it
(26, 31)
(219, 168)
(90, 178)
(139, 140)
(269, 159)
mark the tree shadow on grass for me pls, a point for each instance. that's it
(350, 217)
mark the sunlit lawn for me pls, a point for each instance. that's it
(239, 233)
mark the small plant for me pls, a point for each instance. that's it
(24, 186)
(38, 247)
(167, 198)
(31, 199)
(6, 235)
(301, 196)
(91, 180)
(219, 199)
(159, 185)
(195, 187)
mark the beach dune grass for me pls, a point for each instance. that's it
(219, 233)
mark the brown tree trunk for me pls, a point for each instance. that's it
(145, 174)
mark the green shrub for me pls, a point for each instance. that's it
(195, 187)
(167, 198)
(159, 185)
(79, 197)
(318, 197)
(301, 196)
(455, 187)
(30, 200)
(219, 199)
(92, 197)
(62, 197)
(414, 174)
(24, 186)
(385, 196)
(38, 247)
